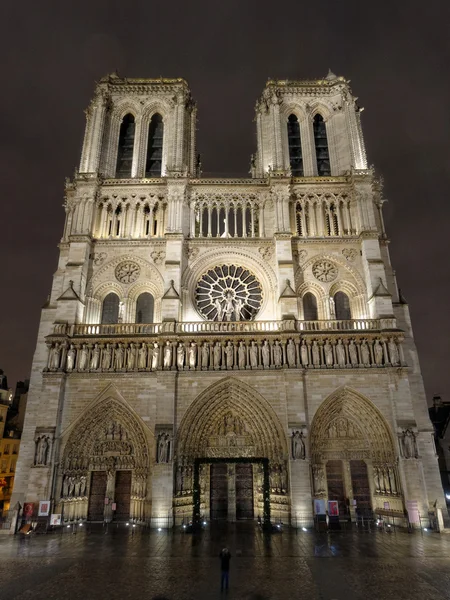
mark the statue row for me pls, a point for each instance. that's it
(385, 480)
(231, 354)
(74, 486)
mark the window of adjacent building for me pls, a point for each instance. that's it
(342, 306)
(6, 451)
(144, 308)
(14, 450)
(295, 146)
(309, 307)
(4, 465)
(321, 144)
(153, 164)
(110, 309)
(126, 145)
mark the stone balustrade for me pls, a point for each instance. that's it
(186, 327)
(160, 350)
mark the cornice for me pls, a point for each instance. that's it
(121, 243)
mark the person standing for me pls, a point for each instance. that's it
(225, 557)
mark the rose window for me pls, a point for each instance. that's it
(324, 270)
(228, 293)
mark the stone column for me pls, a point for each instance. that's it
(231, 468)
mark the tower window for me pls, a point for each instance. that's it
(342, 306)
(295, 147)
(126, 145)
(154, 147)
(110, 309)
(309, 307)
(321, 143)
(144, 308)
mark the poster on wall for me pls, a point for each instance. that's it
(412, 506)
(28, 510)
(44, 508)
(333, 508)
(55, 520)
(319, 506)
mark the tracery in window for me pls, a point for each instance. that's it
(153, 164)
(126, 146)
(228, 293)
(295, 146)
(321, 144)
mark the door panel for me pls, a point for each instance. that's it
(335, 481)
(219, 491)
(122, 495)
(97, 495)
(244, 491)
(360, 485)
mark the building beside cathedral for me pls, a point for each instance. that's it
(225, 347)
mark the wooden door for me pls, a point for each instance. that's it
(336, 488)
(360, 486)
(219, 491)
(97, 493)
(244, 491)
(122, 496)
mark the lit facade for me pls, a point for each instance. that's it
(211, 342)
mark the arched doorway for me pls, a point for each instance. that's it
(353, 457)
(231, 457)
(105, 466)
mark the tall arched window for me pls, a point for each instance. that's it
(153, 164)
(342, 306)
(110, 308)
(321, 143)
(295, 146)
(144, 308)
(309, 307)
(126, 145)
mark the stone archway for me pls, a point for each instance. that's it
(230, 420)
(353, 455)
(106, 456)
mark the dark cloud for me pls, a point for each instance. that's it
(395, 53)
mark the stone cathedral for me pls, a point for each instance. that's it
(225, 348)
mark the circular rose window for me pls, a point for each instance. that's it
(228, 293)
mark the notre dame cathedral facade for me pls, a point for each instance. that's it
(230, 348)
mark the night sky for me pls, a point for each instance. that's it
(396, 54)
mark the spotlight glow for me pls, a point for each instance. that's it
(304, 529)
(159, 528)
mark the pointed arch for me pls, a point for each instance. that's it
(374, 433)
(231, 396)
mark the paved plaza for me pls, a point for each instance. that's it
(174, 566)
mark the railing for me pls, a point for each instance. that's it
(217, 327)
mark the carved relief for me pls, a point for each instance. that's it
(350, 254)
(99, 258)
(127, 272)
(324, 271)
(43, 449)
(158, 257)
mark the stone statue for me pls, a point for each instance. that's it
(304, 354)
(378, 353)
(318, 477)
(353, 354)
(55, 356)
(131, 355)
(365, 357)
(42, 446)
(328, 354)
(163, 448)
(217, 355)
(298, 445)
(241, 355)
(205, 355)
(392, 481)
(315, 354)
(192, 352)
(219, 309)
(237, 309)
(71, 358)
(83, 358)
(291, 353)
(155, 356)
(340, 354)
(142, 360)
(180, 479)
(265, 352)
(332, 307)
(83, 480)
(277, 354)
(95, 358)
(229, 306)
(77, 487)
(167, 355)
(409, 445)
(65, 490)
(180, 355)
(253, 355)
(119, 357)
(106, 357)
(121, 312)
(229, 355)
(393, 352)
(376, 480)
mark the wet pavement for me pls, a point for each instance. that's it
(351, 565)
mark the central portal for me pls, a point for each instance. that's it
(231, 491)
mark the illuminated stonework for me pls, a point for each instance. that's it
(228, 293)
